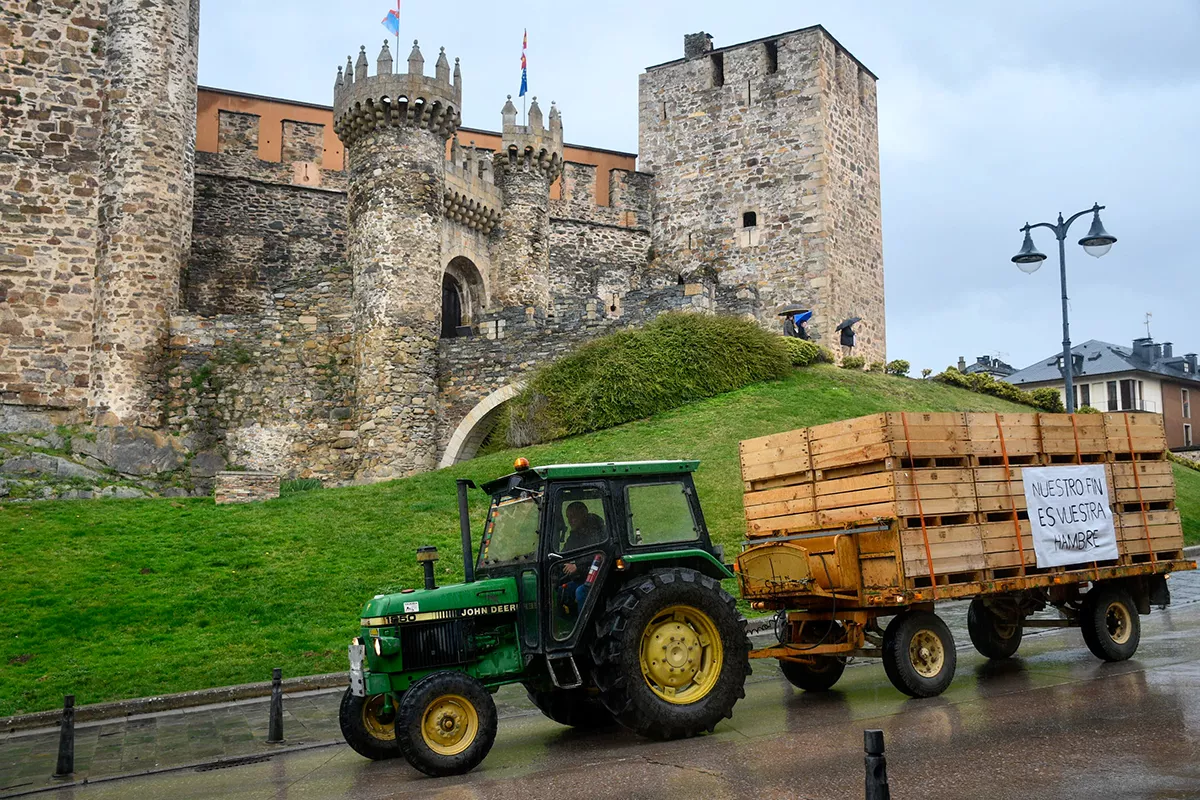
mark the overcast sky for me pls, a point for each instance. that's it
(989, 115)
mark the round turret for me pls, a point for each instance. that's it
(395, 128)
(363, 103)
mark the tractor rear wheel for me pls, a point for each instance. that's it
(671, 654)
(446, 723)
(366, 729)
(574, 707)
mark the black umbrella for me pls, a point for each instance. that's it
(846, 323)
(791, 308)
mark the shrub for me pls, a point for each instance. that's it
(875, 366)
(925, 373)
(898, 367)
(633, 374)
(804, 353)
(1087, 410)
(299, 485)
(853, 362)
(1048, 399)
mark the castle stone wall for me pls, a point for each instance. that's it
(51, 94)
(145, 211)
(747, 130)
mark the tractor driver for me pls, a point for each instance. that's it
(585, 529)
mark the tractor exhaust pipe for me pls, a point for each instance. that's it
(427, 556)
(464, 524)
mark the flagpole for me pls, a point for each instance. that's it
(397, 33)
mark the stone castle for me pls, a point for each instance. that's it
(370, 322)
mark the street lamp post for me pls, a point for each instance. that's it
(1029, 260)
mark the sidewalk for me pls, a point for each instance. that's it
(206, 736)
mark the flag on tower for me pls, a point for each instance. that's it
(524, 64)
(392, 20)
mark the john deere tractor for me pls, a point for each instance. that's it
(596, 587)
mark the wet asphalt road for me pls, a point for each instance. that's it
(1053, 722)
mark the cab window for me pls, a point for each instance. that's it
(660, 513)
(511, 534)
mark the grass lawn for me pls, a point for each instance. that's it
(126, 598)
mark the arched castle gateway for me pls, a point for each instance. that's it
(370, 321)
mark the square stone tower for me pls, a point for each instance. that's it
(766, 175)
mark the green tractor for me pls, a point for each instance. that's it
(596, 587)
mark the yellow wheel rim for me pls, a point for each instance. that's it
(374, 726)
(926, 653)
(1116, 619)
(681, 654)
(450, 724)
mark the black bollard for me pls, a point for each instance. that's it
(66, 739)
(877, 782)
(275, 727)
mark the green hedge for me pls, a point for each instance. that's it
(633, 374)
(804, 353)
(1045, 399)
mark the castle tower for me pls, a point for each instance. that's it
(529, 160)
(395, 128)
(765, 157)
(146, 176)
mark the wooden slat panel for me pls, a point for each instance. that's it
(776, 469)
(778, 495)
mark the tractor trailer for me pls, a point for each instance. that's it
(598, 589)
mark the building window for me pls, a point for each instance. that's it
(747, 235)
(772, 49)
(718, 69)
(451, 306)
(1128, 396)
(1112, 395)
(1187, 435)
(1083, 395)
(1186, 397)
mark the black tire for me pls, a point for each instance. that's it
(815, 673)
(993, 636)
(574, 707)
(457, 700)
(364, 730)
(618, 653)
(819, 674)
(1110, 623)
(918, 654)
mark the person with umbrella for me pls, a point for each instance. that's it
(846, 328)
(794, 317)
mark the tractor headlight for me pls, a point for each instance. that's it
(385, 645)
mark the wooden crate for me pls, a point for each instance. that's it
(954, 480)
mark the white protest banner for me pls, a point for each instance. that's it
(1069, 514)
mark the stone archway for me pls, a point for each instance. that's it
(477, 424)
(463, 295)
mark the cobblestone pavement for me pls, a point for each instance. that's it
(239, 730)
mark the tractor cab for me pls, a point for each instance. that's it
(595, 586)
(563, 530)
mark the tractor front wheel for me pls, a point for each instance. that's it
(446, 723)
(671, 654)
(365, 727)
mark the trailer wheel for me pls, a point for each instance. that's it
(365, 729)
(573, 707)
(446, 723)
(993, 636)
(816, 674)
(918, 654)
(671, 654)
(1110, 623)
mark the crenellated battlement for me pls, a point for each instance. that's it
(472, 197)
(531, 146)
(364, 102)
